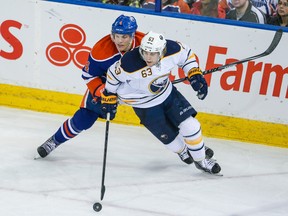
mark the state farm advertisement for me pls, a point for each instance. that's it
(45, 44)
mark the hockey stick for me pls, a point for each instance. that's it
(271, 48)
(105, 155)
(97, 206)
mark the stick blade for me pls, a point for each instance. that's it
(275, 41)
(102, 192)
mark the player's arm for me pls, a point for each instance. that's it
(93, 76)
(192, 70)
(95, 86)
(109, 94)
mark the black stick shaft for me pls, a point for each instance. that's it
(105, 156)
(270, 49)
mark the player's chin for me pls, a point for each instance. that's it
(150, 64)
(121, 48)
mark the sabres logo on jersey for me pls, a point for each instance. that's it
(159, 84)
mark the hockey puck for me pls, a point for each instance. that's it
(97, 206)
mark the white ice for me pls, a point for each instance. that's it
(142, 176)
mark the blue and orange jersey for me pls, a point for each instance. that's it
(103, 54)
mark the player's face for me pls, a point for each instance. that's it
(122, 42)
(151, 58)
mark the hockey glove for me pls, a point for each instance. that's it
(198, 82)
(108, 104)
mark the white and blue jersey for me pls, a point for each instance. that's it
(141, 86)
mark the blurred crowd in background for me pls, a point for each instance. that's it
(274, 12)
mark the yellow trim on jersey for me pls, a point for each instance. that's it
(128, 101)
(192, 56)
(223, 127)
(109, 77)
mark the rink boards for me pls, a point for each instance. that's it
(44, 48)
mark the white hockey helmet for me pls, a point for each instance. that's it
(153, 42)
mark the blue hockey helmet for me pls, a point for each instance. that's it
(124, 25)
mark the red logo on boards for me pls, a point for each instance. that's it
(14, 50)
(71, 47)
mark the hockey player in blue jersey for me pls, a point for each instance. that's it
(141, 79)
(105, 52)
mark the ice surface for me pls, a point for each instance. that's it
(142, 176)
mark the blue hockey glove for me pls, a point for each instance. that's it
(108, 104)
(198, 82)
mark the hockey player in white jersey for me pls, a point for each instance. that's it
(141, 79)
